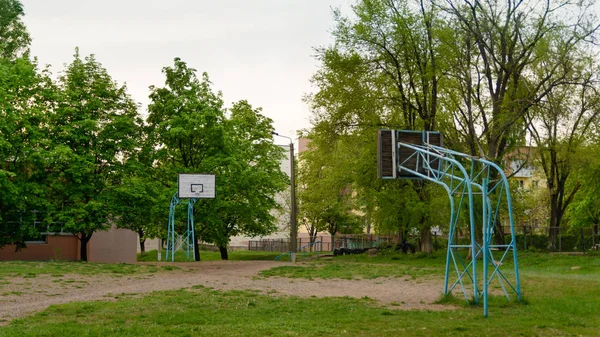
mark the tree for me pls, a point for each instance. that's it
(14, 38)
(25, 96)
(192, 133)
(510, 56)
(585, 209)
(470, 69)
(561, 126)
(385, 69)
(93, 132)
(139, 204)
(185, 127)
(247, 180)
(326, 200)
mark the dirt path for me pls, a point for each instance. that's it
(22, 296)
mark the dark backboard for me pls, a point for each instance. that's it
(390, 154)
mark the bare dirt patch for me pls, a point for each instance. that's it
(21, 296)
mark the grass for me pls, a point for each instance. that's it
(348, 270)
(236, 255)
(60, 268)
(560, 301)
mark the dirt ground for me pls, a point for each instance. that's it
(23, 296)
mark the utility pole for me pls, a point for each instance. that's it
(293, 216)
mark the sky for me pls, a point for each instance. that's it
(258, 50)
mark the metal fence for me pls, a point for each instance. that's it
(531, 238)
(283, 245)
(269, 245)
(568, 239)
(354, 241)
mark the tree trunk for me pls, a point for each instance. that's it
(142, 242)
(499, 233)
(223, 251)
(196, 248)
(426, 243)
(83, 247)
(553, 230)
(143, 247)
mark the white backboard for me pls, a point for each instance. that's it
(192, 185)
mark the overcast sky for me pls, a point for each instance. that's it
(259, 50)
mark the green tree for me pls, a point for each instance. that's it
(585, 210)
(326, 193)
(14, 38)
(26, 94)
(248, 179)
(138, 203)
(562, 126)
(509, 57)
(186, 128)
(386, 69)
(471, 69)
(192, 133)
(93, 131)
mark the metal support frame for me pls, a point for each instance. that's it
(447, 168)
(183, 241)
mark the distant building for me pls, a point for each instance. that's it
(520, 166)
(112, 246)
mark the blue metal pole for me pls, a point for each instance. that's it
(466, 180)
(485, 246)
(191, 230)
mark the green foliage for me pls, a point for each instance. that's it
(192, 132)
(325, 190)
(586, 207)
(247, 179)
(25, 93)
(138, 203)
(93, 131)
(14, 38)
(186, 121)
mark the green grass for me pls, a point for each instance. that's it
(559, 301)
(237, 255)
(27, 269)
(347, 270)
(204, 312)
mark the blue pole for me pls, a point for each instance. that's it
(485, 246)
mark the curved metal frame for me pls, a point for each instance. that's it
(183, 241)
(449, 172)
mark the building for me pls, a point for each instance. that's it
(112, 246)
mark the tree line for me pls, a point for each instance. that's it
(493, 76)
(77, 156)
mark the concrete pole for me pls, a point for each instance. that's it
(293, 220)
(293, 215)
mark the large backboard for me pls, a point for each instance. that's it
(390, 155)
(196, 186)
(386, 154)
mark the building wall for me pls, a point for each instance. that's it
(113, 246)
(57, 247)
